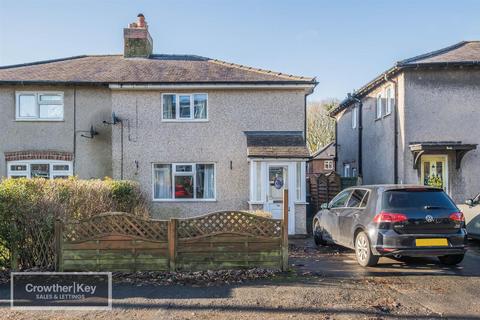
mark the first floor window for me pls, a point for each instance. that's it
(46, 106)
(378, 110)
(354, 117)
(328, 165)
(389, 100)
(47, 169)
(184, 181)
(184, 106)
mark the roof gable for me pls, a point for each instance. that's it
(465, 53)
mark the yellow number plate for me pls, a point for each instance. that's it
(440, 242)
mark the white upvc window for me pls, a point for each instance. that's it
(47, 169)
(346, 170)
(184, 107)
(328, 164)
(184, 182)
(354, 117)
(378, 109)
(39, 106)
(390, 100)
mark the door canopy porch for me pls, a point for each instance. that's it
(440, 147)
(276, 144)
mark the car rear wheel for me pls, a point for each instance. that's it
(318, 234)
(363, 251)
(452, 259)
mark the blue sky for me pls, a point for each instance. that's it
(343, 43)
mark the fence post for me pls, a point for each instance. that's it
(172, 243)
(285, 231)
(58, 245)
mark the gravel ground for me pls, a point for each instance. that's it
(323, 284)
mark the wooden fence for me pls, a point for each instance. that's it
(323, 187)
(220, 240)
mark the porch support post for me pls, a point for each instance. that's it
(285, 231)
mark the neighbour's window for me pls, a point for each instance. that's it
(356, 198)
(185, 181)
(48, 169)
(354, 117)
(43, 106)
(340, 200)
(354, 172)
(378, 109)
(328, 164)
(389, 100)
(346, 170)
(183, 107)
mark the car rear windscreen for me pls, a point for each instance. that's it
(420, 198)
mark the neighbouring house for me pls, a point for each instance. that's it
(417, 122)
(323, 160)
(198, 134)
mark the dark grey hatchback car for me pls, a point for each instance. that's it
(393, 220)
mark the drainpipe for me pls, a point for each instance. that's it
(336, 146)
(360, 138)
(395, 130)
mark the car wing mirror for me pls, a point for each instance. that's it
(324, 206)
(470, 202)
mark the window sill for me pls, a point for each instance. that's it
(39, 120)
(378, 119)
(256, 202)
(189, 120)
(301, 202)
(184, 200)
(386, 115)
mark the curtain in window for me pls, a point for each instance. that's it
(169, 106)
(162, 184)
(205, 181)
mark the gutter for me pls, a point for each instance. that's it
(308, 87)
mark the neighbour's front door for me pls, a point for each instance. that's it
(434, 171)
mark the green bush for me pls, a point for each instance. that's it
(29, 208)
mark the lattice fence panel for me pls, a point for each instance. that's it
(229, 222)
(116, 223)
(42, 248)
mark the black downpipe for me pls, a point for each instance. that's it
(360, 138)
(336, 146)
(74, 130)
(305, 117)
(395, 131)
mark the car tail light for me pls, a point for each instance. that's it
(457, 216)
(389, 217)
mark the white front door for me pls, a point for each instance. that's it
(434, 171)
(279, 179)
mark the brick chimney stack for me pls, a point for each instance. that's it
(137, 40)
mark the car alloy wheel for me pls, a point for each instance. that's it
(362, 248)
(364, 254)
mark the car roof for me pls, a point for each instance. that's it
(385, 187)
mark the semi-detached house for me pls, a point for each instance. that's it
(198, 134)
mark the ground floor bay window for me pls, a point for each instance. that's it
(184, 182)
(47, 169)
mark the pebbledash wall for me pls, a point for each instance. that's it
(87, 105)
(432, 105)
(221, 140)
